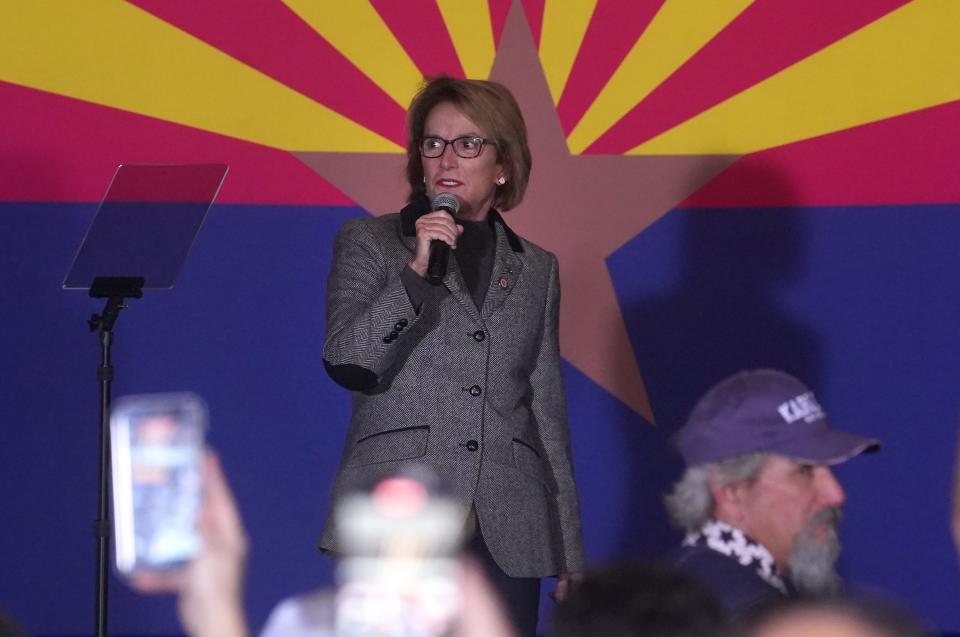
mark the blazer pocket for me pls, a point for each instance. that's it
(527, 459)
(394, 444)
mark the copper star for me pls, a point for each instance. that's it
(581, 207)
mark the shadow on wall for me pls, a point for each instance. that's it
(723, 312)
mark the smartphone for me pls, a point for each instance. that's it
(398, 574)
(157, 443)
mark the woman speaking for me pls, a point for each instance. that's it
(463, 375)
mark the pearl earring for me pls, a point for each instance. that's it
(501, 180)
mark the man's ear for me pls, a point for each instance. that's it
(727, 497)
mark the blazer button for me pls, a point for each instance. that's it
(479, 336)
(387, 339)
(472, 445)
(475, 390)
(402, 322)
(399, 326)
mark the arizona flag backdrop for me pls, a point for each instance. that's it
(727, 184)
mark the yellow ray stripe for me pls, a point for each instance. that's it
(679, 30)
(564, 25)
(114, 54)
(356, 29)
(907, 60)
(470, 28)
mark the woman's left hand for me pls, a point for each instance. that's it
(566, 582)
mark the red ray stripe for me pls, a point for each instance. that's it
(419, 27)
(274, 40)
(910, 159)
(59, 149)
(615, 27)
(534, 11)
(498, 17)
(767, 37)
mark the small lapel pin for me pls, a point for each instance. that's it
(504, 282)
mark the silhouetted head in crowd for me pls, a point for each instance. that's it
(759, 451)
(828, 618)
(9, 627)
(631, 600)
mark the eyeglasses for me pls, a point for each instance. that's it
(466, 147)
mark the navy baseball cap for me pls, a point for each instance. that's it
(765, 410)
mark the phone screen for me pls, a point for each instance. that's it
(398, 574)
(157, 446)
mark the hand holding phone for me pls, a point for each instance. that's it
(177, 526)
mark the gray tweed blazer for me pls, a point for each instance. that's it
(476, 395)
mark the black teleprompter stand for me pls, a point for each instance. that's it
(141, 236)
(115, 290)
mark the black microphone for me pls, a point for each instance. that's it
(440, 251)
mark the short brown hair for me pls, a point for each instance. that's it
(492, 107)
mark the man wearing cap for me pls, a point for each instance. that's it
(758, 500)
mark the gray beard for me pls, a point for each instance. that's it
(812, 561)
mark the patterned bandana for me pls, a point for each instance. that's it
(732, 542)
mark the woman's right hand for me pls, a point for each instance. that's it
(438, 225)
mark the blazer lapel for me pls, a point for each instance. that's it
(507, 267)
(458, 287)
